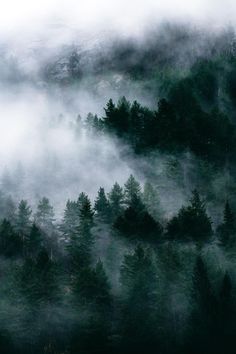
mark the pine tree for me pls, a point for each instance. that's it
(37, 279)
(116, 200)
(102, 207)
(81, 200)
(91, 285)
(151, 200)
(23, 220)
(33, 241)
(136, 124)
(44, 216)
(122, 117)
(132, 191)
(70, 220)
(192, 222)
(110, 115)
(81, 240)
(139, 287)
(227, 230)
(204, 317)
(10, 241)
(227, 323)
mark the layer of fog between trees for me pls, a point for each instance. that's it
(45, 148)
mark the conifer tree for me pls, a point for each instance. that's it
(227, 230)
(70, 220)
(151, 200)
(116, 200)
(139, 285)
(192, 222)
(34, 241)
(23, 220)
(102, 207)
(132, 191)
(45, 215)
(81, 240)
(204, 317)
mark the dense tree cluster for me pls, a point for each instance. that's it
(63, 292)
(121, 274)
(179, 124)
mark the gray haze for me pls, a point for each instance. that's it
(43, 148)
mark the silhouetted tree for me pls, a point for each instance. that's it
(192, 222)
(116, 200)
(101, 206)
(227, 230)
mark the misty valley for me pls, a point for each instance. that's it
(118, 195)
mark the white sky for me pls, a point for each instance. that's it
(18, 17)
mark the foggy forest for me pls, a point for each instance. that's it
(118, 177)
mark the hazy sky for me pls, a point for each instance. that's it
(19, 17)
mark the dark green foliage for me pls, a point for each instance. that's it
(139, 224)
(205, 80)
(132, 191)
(81, 239)
(34, 241)
(155, 308)
(227, 230)
(102, 206)
(117, 118)
(179, 124)
(91, 285)
(10, 241)
(138, 326)
(204, 316)
(231, 83)
(116, 201)
(192, 222)
(37, 279)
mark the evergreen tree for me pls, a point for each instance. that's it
(92, 291)
(136, 125)
(226, 337)
(10, 241)
(37, 279)
(102, 207)
(204, 317)
(117, 118)
(116, 200)
(151, 201)
(34, 241)
(45, 215)
(23, 220)
(139, 224)
(132, 191)
(70, 220)
(192, 222)
(92, 286)
(110, 115)
(139, 330)
(227, 230)
(81, 200)
(81, 240)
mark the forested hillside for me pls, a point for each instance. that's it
(147, 265)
